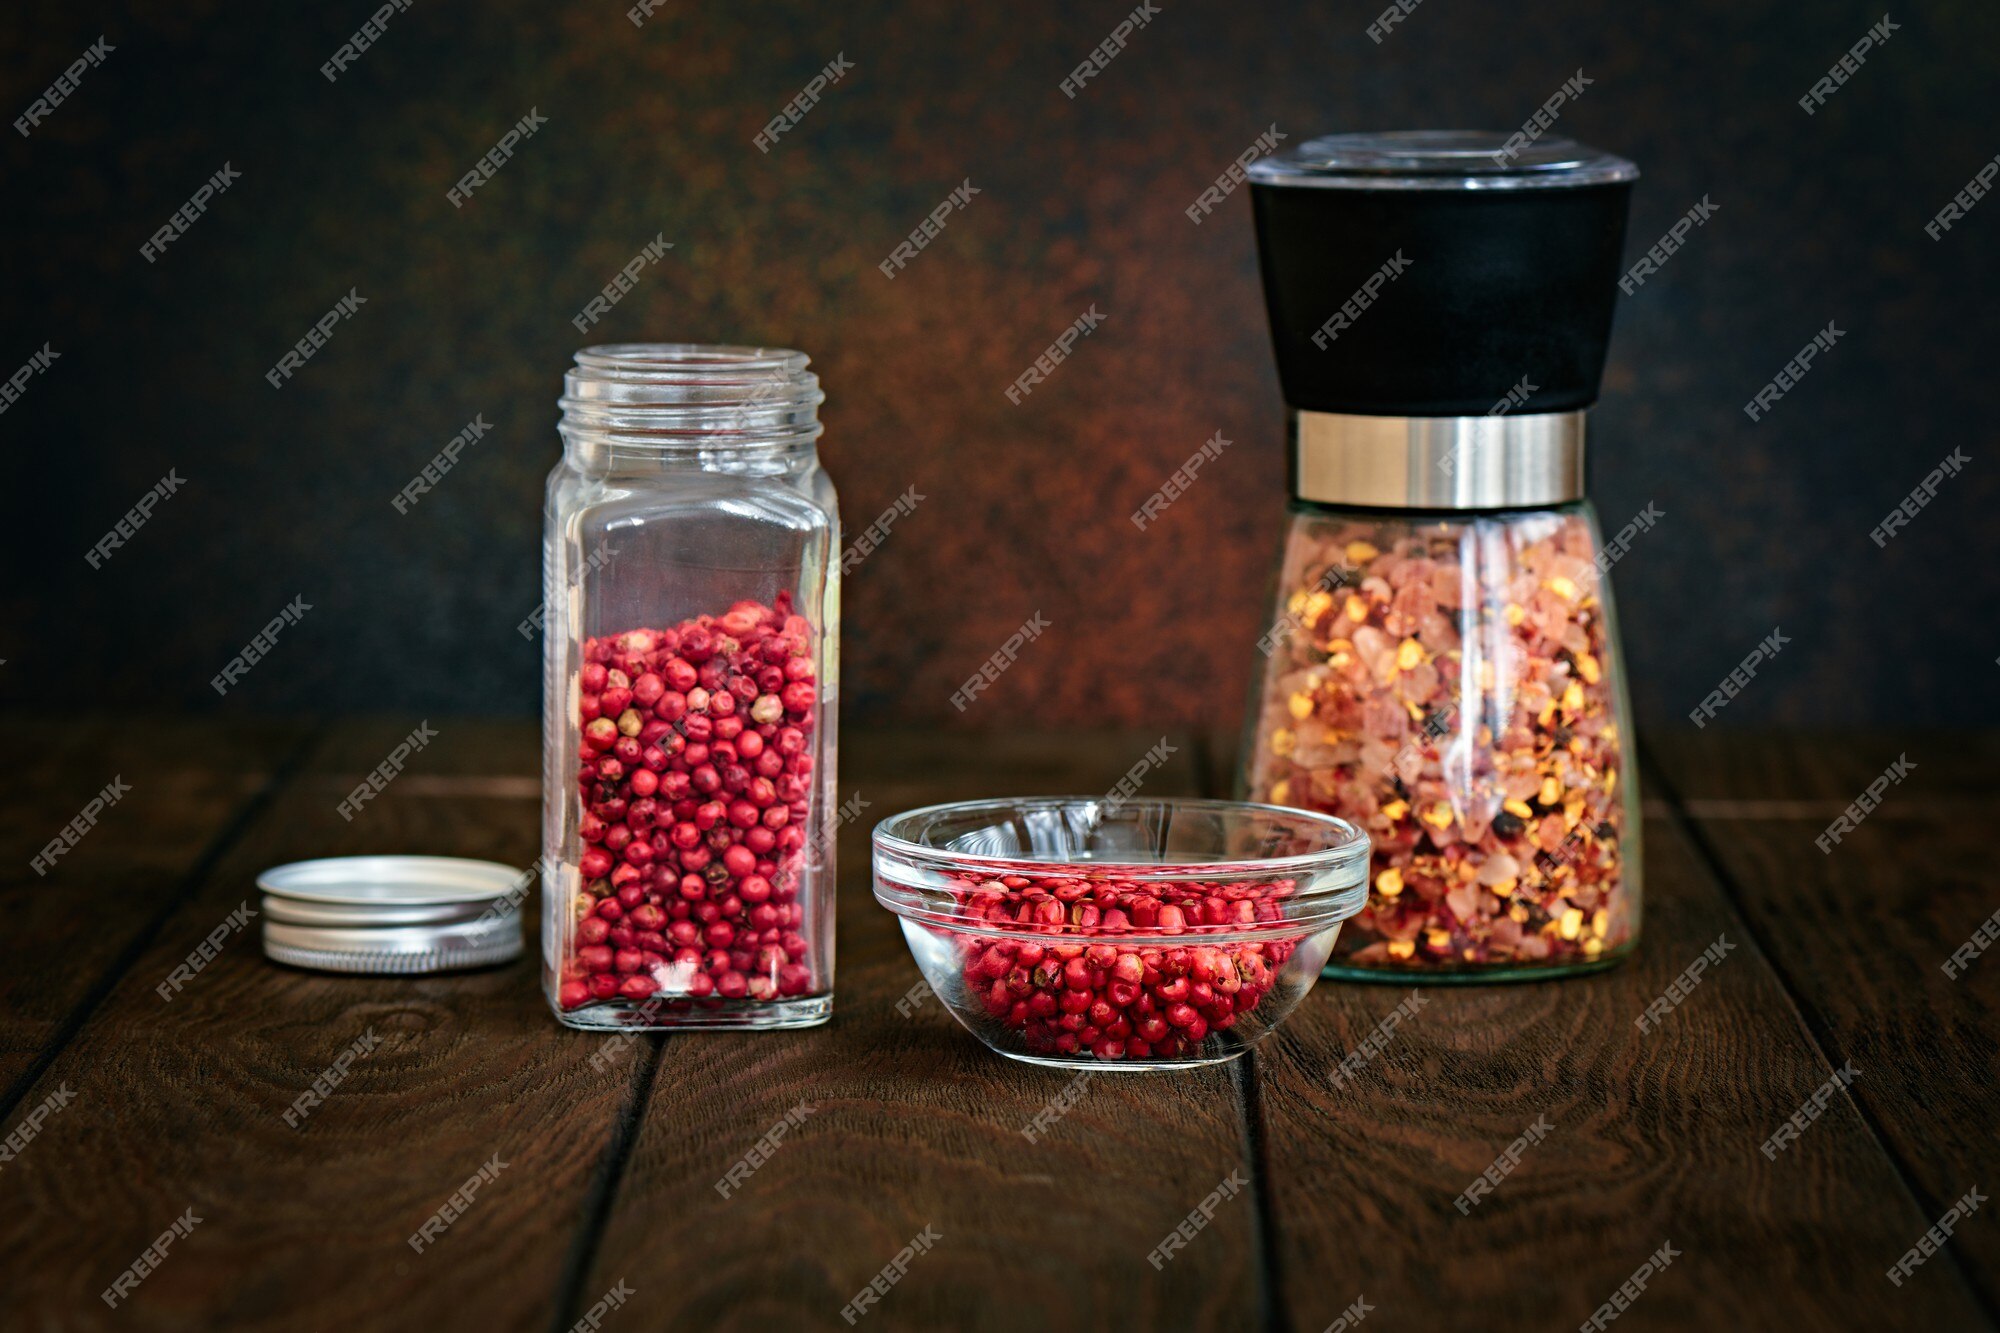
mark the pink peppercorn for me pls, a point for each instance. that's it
(687, 835)
(1091, 988)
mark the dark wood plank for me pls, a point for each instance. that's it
(918, 1125)
(67, 929)
(1656, 1139)
(1727, 774)
(1862, 934)
(179, 1104)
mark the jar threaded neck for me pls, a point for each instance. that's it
(690, 398)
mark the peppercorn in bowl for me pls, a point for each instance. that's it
(1089, 932)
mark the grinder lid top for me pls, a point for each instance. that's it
(1440, 273)
(1441, 160)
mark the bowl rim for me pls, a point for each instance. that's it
(1354, 846)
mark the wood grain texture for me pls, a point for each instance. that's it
(610, 1172)
(1862, 934)
(916, 1124)
(1655, 1140)
(1715, 772)
(66, 929)
(179, 1105)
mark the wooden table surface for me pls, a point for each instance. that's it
(123, 1111)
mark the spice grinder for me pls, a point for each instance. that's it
(1441, 665)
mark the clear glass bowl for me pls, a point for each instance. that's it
(1089, 932)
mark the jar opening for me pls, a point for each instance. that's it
(674, 396)
(690, 362)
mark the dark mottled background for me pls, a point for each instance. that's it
(1821, 218)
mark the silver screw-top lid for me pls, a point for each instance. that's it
(393, 914)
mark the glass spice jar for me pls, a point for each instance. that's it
(692, 618)
(1442, 666)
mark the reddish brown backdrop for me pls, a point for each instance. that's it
(1081, 203)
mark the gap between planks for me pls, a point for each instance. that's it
(247, 814)
(1274, 1311)
(570, 1298)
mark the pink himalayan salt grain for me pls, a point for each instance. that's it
(1366, 715)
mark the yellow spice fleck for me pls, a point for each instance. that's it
(1518, 912)
(1438, 939)
(1409, 655)
(1573, 699)
(1389, 883)
(1592, 948)
(1410, 707)
(1572, 922)
(1562, 588)
(1611, 782)
(1515, 614)
(1281, 791)
(1296, 603)
(1318, 604)
(1301, 705)
(1395, 810)
(1339, 659)
(1359, 553)
(1600, 922)
(1504, 889)
(1283, 742)
(1547, 715)
(1438, 816)
(1402, 948)
(1586, 666)
(1357, 610)
(1518, 809)
(1551, 791)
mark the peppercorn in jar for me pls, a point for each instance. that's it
(691, 625)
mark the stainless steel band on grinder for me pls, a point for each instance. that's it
(1508, 461)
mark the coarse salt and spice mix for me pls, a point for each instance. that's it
(1442, 665)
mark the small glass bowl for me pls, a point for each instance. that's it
(1094, 933)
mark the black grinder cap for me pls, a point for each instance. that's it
(1438, 272)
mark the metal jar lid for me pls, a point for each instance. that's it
(397, 915)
